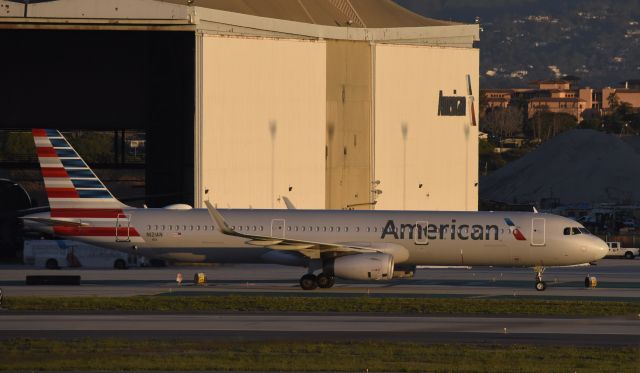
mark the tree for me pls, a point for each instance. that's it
(502, 122)
(546, 125)
(613, 101)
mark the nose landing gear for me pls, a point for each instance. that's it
(540, 285)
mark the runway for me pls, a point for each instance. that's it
(617, 280)
(325, 327)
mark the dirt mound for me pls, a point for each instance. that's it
(576, 166)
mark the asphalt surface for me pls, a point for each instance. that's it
(618, 279)
(330, 327)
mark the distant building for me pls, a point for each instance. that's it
(628, 95)
(558, 96)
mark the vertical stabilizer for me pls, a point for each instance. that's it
(72, 187)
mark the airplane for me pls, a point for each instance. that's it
(352, 245)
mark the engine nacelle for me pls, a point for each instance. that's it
(374, 266)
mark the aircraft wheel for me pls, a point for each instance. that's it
(52, 264)
(308, 282)
(120, 264)
(541, 286)
(325, 281)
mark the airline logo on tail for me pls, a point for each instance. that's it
(516, 232)
(75, 192)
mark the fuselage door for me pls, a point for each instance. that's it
(537, 232)
(420, 236)
(123, 222)
(278, 228)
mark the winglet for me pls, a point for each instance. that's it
(288, 202)
(219, 220)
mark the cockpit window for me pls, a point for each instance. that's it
(569, 231)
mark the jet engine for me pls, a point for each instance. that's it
(374, 266)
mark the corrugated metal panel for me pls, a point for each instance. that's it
(362, 13)
(424, 161)
(264, 110)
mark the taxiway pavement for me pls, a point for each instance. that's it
(319, 327)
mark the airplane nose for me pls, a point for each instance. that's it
(599, 249)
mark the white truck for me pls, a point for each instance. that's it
(617, 251)
(54, 254)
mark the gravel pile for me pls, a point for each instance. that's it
(575, 167)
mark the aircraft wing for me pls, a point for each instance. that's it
(309, 248)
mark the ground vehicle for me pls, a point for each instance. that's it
(617, 251)
(54, 254)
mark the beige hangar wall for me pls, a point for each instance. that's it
(349, 98)
(414, 145)
(263, 121)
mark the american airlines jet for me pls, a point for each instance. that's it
(353, 245)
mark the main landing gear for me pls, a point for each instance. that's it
(311, 281)
(540, 285)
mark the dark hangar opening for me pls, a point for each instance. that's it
(108, 80)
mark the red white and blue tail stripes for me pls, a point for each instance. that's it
(75, 192)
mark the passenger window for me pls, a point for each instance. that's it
(254, 228)
(296, 228)
(346, 229)
(375, 229)
(567, 231)
(261, 228)
(163, 227)
(184, 227)
(247, 228)
(337, 229)
(197, 227)
(191, 227)
(330, 229)
(289, 228)
(148, 227)
(368, 229)
(204, 227)
(303, 228)
(357, 229)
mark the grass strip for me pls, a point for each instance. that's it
(257, 303)
(181, 355)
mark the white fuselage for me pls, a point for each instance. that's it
(412, 237)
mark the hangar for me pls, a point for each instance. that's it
(334, 103)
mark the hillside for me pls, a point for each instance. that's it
(526, 40)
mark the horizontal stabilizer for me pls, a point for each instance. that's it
(57, 222)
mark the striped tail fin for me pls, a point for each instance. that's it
(72, 188)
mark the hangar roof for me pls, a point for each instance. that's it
(355, 13)
(367, 20)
